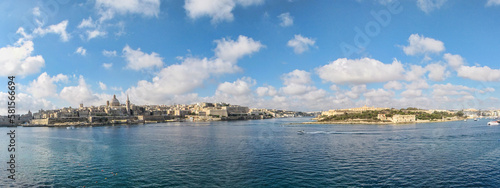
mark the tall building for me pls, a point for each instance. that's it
(128, 106)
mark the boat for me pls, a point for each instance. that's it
(465, 119)
(301, 132)
(494, 122)
(475, 119)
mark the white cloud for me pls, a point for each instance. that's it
(334, 87)
(108, 8)
(297, 82)
(356, 91)
(379, 96)
(393, 85)
(107, 65)
(137, 60)
(266, 91)
(437, 72)
(25, 102)
(218, 10)
(493, 3)
(286, 19)
(300, 44)
(448, 89)
(417, 84)
(17, 59)
(416, 72)
(103, 86)
(109, 53)
(239, 87)
(297, 77)
(44, 85)
(36, 11)
(429, 5)
(81, 93)
(411, 93)
(360, 71)
(229, 50)
(87, 23)
(59, 29)
(422, 45)
(454, 61)
(297, 89)
(82, 51)
(178, 79)
(477, 73)
(95, 33)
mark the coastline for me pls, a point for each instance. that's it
(378, 123)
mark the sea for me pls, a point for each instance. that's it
(255, 153)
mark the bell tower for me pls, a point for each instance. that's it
(128, 106)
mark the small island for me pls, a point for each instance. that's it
(372, 115)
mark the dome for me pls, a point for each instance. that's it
(114, 101)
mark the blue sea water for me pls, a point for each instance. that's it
(256, 153)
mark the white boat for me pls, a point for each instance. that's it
(301, 132)
(494, 122)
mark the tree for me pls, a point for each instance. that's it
(460, 114)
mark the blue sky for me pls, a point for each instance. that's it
(286, 54)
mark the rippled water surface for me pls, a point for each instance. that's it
(257, 153)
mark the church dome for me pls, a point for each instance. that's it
(114, 101)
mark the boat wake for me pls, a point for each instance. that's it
(335, 132)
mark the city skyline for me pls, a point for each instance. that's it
(290, 54)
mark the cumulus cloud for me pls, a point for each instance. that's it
(297, 82)
(239, 87)
(230, 50)
(478, 73)
(356, 91)
(82, 51)
(218, 10)
(266, 91)
(448, 89)
(138, 60)
(103, 86)
(109, 53)
(87, 23)
(297, 77)
(454, 61)
(360, 71)
(422, 45)
(379, 96)
(493, 3)
(26, 102)
(44, 85)
(109, 8)
(17, 59)
(430, 5)
(59, 29)
(411, 93)
(416, 72)
(286, 19)
(437, 72)
(107, 65)
(95, 33)
(300, 44)
(393, 85)
(417, 84)
(181, 78)
(82, 93)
